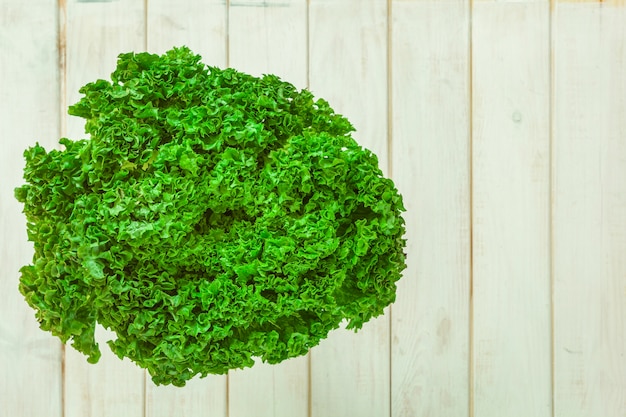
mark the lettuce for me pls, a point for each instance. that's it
(211, 218)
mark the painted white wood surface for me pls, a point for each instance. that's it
(270, 37)
(506, 130)
(350, 372)
(430, 165)
(202, 26)
(511, 321)
(96, 33)
(30, 360)
(589, 196)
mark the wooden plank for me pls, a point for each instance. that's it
(511, 350)
(200, 397)
(270, 37)
(589, 210)
(430, 318)
(270, 390)
(597, 2)
(30, 359)
(197, 24)
(96, 33)
(200, 25)
(348, 67)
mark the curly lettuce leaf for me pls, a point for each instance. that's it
(211, 218)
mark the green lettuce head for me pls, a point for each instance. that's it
(211, 218)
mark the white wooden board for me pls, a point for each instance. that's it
(350, 373)
(589, 197)
(503, 125)
(511, 316)
(200, 25)
(269, 37)
(430, 137)
(30, 360)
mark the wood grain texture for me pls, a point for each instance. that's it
(430, 318)
(200, 397)
(596, 2)
(30, 360)
(590, 211)
(270, 390)
(96, 34)
(202, 26)
(348, 67)
(511, 209)
(269, 37)
(526, 215)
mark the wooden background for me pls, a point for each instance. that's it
(503, 123)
